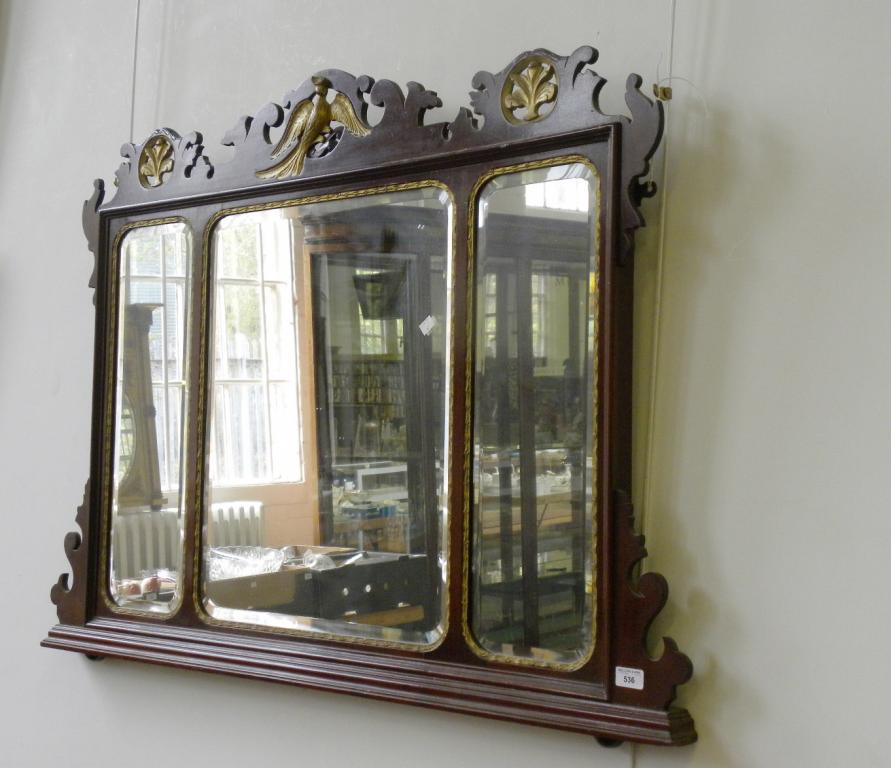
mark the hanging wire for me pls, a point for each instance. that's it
(657, 311)
(657, 308)
(133, 78)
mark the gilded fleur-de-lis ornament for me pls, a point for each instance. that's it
(529, 89)
(309, 125)
(155, 162)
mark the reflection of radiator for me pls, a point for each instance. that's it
(146, 541)
(236, 523)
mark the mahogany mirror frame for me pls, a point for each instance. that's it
(402, 147)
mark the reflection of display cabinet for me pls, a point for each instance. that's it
(368, 399)
(374, 349)
(379, 534)
(367, 388)
(532, 410)
(376, 480)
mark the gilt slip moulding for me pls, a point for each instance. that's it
(362, 404)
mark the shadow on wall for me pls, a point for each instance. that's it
(5, 254)
(705, 264)
(4, 41)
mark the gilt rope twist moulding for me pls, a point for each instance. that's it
(355, 144)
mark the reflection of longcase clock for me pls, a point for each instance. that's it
(140, 483)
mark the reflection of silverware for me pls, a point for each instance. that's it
(316, 561)
(232, 562)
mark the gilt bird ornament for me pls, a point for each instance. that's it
(310, 124)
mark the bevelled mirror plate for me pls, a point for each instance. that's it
(535, 415)
(326, 503)
(150, 400)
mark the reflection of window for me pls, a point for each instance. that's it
(539, 317)
(256, 430)
(377, 336)
(155, 269)
(538, 314)
(371, 335)
(558, 194)
(490, 323)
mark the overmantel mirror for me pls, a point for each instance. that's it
(361, 414)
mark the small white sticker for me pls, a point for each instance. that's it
(427, 325)
(626, 677)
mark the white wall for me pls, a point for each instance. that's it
(769, 502)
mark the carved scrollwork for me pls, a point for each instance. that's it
(637, 608)
(298, 138)
(309, 131)
(90, 222)
(641, 136)
(535, 79)
(403, 110)
(70, 597)
(164, 159)
(252, 135)
(529, 87)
